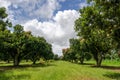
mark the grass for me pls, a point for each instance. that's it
(60, 70)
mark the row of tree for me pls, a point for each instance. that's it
(98, 28)
(16, 44)
(77, 51)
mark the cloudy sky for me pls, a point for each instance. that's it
(52, 19)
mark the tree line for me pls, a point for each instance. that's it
(17, 44)
(98, 29)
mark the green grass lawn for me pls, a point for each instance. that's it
(61, 70)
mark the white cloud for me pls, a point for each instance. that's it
(46, 10)
(23, 10)
(4, 3)
(84, 4)
(58, 49)
(57, 31)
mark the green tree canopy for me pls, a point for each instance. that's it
(97, 24)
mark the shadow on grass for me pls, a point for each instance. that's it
(4, 68)
(114, 76)
(111, 67)
(91, 64)
(4, 76)
(108, 67)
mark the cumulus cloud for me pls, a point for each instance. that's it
(46, 10)
(57, 31)
(4, 4)
(38, 17)
(83, 4)
(23, 10)
(58, 49)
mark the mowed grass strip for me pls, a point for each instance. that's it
(59, 70)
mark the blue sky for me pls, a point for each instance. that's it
(52, 19)
(62, 5)
(71, 4)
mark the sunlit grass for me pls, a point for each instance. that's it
(60, 70)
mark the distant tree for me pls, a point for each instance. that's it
(79, 50)
(66, 54)
(47, 54)
(32, 49)
(75, 47)
(69, 55)
(45, 49)
(37, 48)
(56, 57)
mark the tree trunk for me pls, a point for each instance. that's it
(81, 60)
(16, 60)
(34, 62)
(26, 60)
(99, 61)
(76, 61)
(8, 61)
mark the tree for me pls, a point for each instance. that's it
(75, 45)
(3, 13)
(47, 53)
(67, 54)
(71, 55)
(18, 44)
(5, 35)
(56, 57)
(116, 37)
(91, 26)
(80, 51)
(6, 46)
(37, 48)
(99, 45)
(19, 39)
(32, 49)
(110, 12)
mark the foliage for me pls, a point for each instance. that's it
(97, 24)
(68, 55)
(110, 12)
(77, 52)
(37, 48)
(18, 44)
(56, 57)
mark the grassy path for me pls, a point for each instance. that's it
(60, 70)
